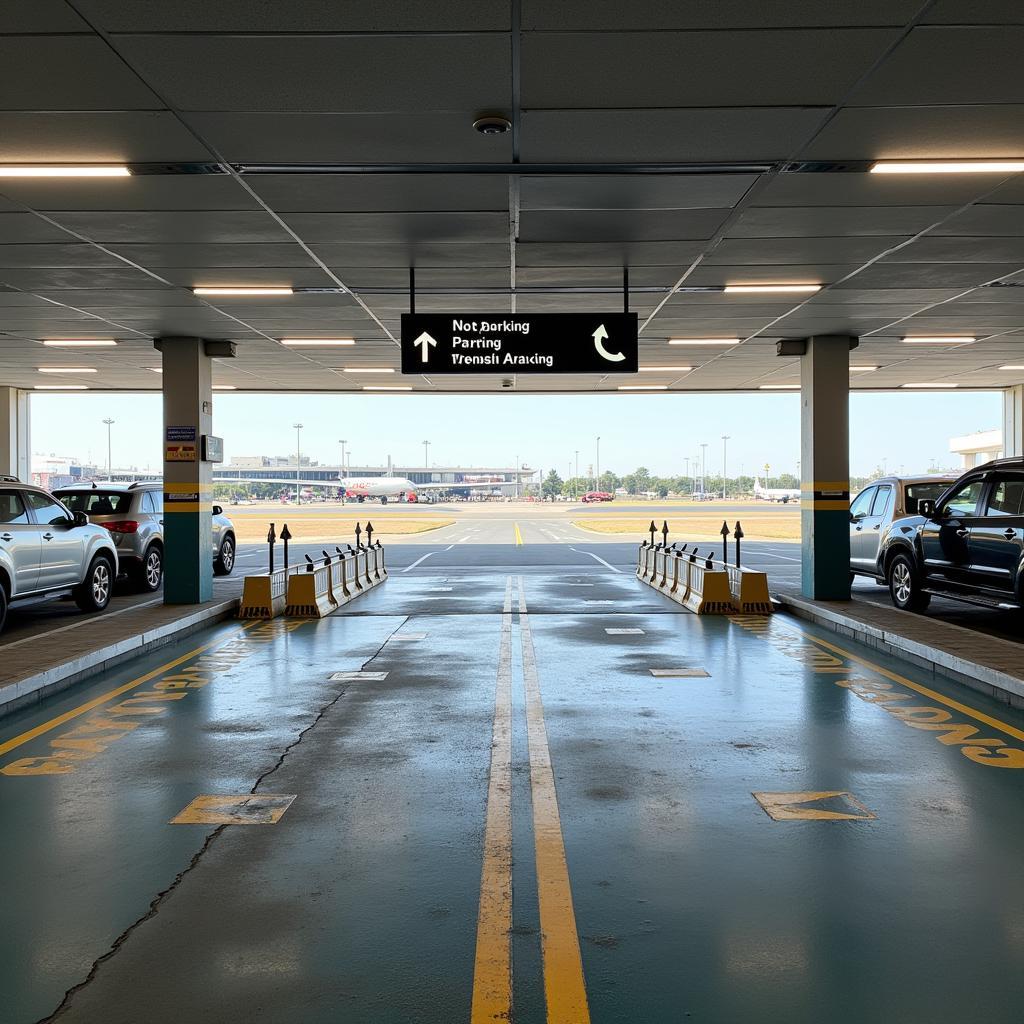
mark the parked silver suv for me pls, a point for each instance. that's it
(134, 516)
(47, 551)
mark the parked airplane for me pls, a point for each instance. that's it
(384, 487)
(774, 493)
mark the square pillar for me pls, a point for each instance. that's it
(15, 448)
(188, 488)
(825, 467)
(1013, 422)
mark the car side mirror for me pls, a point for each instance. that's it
(218, 510)
(80, 518)
(926, 507)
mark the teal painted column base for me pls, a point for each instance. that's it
(188, 576)
(825, 554)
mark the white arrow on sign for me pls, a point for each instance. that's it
(427, 343)
(601, 335)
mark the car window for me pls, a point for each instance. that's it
(862, 503)
(965, 500)
(147, 502)
(882, 504)
(97, 503)
(916, 492)
(47, 510)
(1007, 498)
(12, 509)
(157, 497)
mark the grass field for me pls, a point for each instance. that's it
(695, 527)
(335, 528)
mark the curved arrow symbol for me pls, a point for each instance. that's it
(427, 343)
(601, 335)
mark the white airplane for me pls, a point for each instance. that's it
(384, 487)
(774, 493)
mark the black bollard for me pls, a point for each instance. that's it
(725, 540)
(653, 530)
(271, 538)
(286, 535)
(738, 534)
(359, 530)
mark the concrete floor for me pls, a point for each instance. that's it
(606, 852)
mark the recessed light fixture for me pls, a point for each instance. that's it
(368, 369)
(947, 167)
(751, 289)
(927, 385)
(224, 387)
(79, 342)
(67, 369)
(232, 290)
(778, 387)
(665, 369)
(60, 387)
(863, 369)
(1012, 366)
(704, 341)
(64, 171)
(961, 339)
(386, 387)
(316, 342)
(643, 387)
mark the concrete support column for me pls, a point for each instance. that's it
(15, 447)
(188, 494)
(825, 467)
(1013, 421)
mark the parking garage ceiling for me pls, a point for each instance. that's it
(328, 145)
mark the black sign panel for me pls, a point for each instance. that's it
(508, 343)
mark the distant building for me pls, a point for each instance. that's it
(52, 471)
(974, 449)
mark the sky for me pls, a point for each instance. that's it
(911, 431)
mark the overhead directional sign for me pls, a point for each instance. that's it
(508, 343)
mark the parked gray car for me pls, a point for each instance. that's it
(134, 516)
(47, 551)
(877, 507)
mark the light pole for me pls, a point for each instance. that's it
(298, 461)
(426, 455)
(110, 464)
(576, 478)
(572, 489)
(725, 443)
(703, 468)
(342, 472)
(597, 470)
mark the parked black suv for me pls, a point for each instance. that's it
(968, 544)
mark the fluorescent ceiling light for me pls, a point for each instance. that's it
(704, 341)
(1012, 366)
(64, 171)
(67, 369)
(939, 384)
(643, 387)
(965, 339)
(947, 167)
(863, 369)
(750, 289)
(385, 387)
(665, 369)
(224, 387)
(241, 291)
(61, 387)
(778, 387)
(155, 369)
(368, 369)
(316, 342)
(79, 342)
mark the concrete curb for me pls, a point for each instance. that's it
(950, 657)
(33, 688)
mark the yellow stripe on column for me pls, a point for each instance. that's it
(831, 506)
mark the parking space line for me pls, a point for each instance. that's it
(564, 985)
(492, 971)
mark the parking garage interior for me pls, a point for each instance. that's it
(513, 782)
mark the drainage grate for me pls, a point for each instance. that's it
(624, 632)
(357, 677)
(680, 673)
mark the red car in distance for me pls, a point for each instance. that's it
(594, 496)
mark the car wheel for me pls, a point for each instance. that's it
(904, 587)
(225, 560)
(151, 573)
(94, 593)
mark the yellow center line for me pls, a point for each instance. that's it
(964, 709)
(564, 986)
(519, 536)
(82, 709)
(492, 971)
